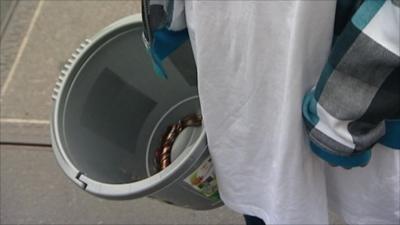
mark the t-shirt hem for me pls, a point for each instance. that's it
(250, 210)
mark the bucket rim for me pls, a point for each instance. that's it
(135, 189)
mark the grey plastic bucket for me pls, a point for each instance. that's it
(110, 112)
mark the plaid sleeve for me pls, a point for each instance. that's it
(164, 30)
(356, 102)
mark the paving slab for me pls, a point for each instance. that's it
(12, 37)
(5, 5)
(34, 190)
(21, 132)
(6, 10)
(40, 37)
(58, 29)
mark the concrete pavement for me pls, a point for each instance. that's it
(34, 190)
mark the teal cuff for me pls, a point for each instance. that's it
(356, 159)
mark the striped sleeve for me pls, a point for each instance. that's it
(357, 97)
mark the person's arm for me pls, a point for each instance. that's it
(359, 88)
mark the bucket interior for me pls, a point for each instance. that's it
(114, 109)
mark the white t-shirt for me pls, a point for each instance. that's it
(255, 61)
(369, 195)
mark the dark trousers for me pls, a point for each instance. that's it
(252, 220)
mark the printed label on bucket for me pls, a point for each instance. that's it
(204, 181)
